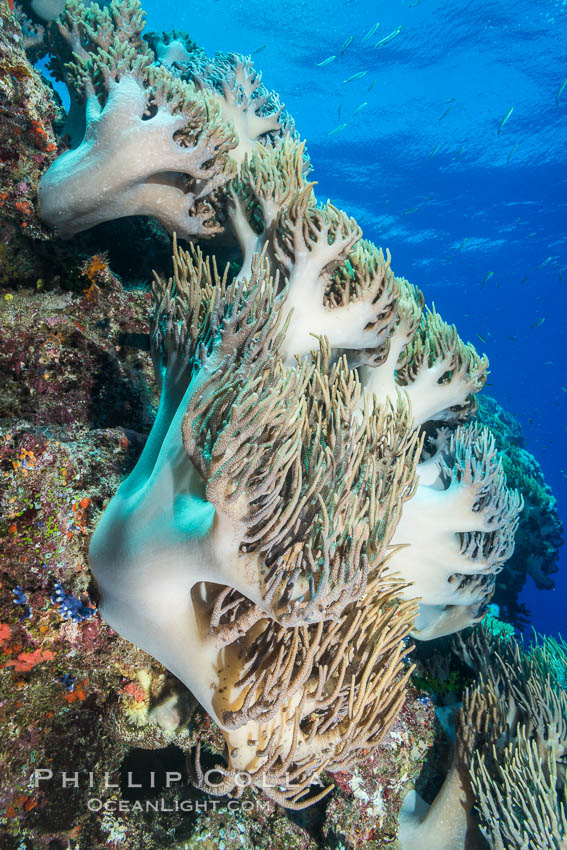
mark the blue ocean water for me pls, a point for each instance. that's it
(445, 134)
(473, 207)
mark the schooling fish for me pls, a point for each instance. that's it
(326, 61)
(487, 278)
(337, 129)
(545, 262)
(371, 86)
(463, 243)
(389, 37)
(358, 76)
(560, 91)
(512, 152)
(434, 151)
(482, 339)
(347, 43)
(538, 323)
(259, 49)
(446, 112)
(359, 108)
(371, 31)
(505, 119)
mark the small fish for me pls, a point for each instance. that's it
(548, 363)
(410, 210)
(371, 31)
(560, 91)
(347, 43)
(389, 37)
(545, 262)
(533, 233)
(512, 338)
(482, 339)
(505, 119)
(358, 76)
(326, 61)
(463, 243)
(487, 278)
(259, 49)
(371, 86)
(359, 108)
(337, 129)
(538, 323)
(523, 280)
(446, 112)
(511, 154)
(434, 151)
(451, 100)
(460, 152)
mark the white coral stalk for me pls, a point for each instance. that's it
(429, 361)
(350, 307)
(439, 371)
(456, 533)
(380, 379)
(241, 105)
(266, 182)
(130, 164)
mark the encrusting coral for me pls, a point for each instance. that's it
(284, 530)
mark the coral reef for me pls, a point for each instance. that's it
(269, 468)
(27, 141)
(28, 146)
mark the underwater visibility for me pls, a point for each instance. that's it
(282, 425)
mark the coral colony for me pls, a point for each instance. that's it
(315, 489)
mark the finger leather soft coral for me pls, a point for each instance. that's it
(158, 141)
(505, 788)
(283, 519)
(153, 145)
(246, 551)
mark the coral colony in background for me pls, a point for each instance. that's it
(208, 608)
